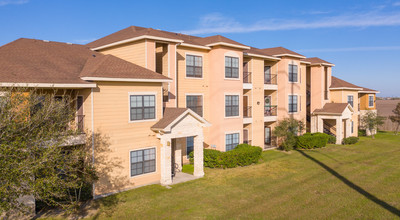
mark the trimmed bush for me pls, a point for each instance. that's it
(315, 140)
(350, 140)
(241, 155)
(362, 133)
(332, 139)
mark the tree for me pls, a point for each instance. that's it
(286, 132)
(396, 117)
(35, 159)
(371, 120)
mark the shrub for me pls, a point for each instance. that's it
(241, 155)
(362, 133)
(315, 140)
(286, 132)
(350, 140)
(332, 139)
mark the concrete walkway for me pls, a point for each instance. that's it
(182, 177)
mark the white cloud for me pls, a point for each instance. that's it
(351, 49)
(217, 23)
(13, 2)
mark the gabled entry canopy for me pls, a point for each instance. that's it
(174, 116)
(340, 109)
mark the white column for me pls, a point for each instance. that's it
(178, 153)
(198, 156)
(320, 124)
(313, 124)
(348, 128)
(339, 130)
(166, 177)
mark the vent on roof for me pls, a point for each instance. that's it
(46, 41)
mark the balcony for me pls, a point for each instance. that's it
(247, 119)
(247, 80)
(270, 82)
(270, 113)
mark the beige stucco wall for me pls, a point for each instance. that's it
(111, 119)
(364, 101)
(317, 79)
(285, 88)
(340, 96)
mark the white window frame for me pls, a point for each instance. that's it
(240, 103)
(295, 64)
(373, 104)
(231, 132)
(196, 94)
(156, 107)
(351, 98)
(202, 64)
(144, 174)
(232, 54)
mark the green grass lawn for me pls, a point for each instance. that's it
(336, 182)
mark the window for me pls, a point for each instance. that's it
(231, 67)
(350, 100)
(142, 107)
(189, 145)
(143, 161)
(371, 101)
(292, 73)
(231, 141)
(195, 103)
(194, 66)
(231, 105)
(292, 103)
(352, 127)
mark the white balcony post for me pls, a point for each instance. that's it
(339, 130)
(166, 177)
(198, 156)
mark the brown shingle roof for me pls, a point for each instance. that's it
(254, 50)
(333, 108)
(339, 83)
(38, 61)
(135, 31)
(280, 50)
(170, 114)
(368, 90)
(315, 60)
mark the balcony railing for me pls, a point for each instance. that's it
(270, 110)
(247, 112)
(270, 79)
(246, 77)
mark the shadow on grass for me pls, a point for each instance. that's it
(360, 190)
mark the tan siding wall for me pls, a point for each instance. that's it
(133, 52)
(364, 101)
(111, 118)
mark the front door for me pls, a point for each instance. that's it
(173, 166)
(267, 135)
(267, 105)
(245, 136)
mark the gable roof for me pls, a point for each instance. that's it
(366, 90)
(134, 33)
(45, 62)
(258, 52)
(333, 108)
(281, 51)
(172, 115)
(316, 60)
(337, 83)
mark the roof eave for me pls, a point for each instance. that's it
(136, 39)
(345, 88)
(290, 55)
(195, 46)
(261, 56)
(111, 79)
(228, 45)
(50, 85)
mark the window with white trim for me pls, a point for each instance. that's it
(371, 101)
(350, 100)
(195, 103)
(231, 105)
(231, 141)
(194, 66)
(189, 145)
(142, 107)
(143, 161)
(292, 103)
(293, 73)
(231, 67)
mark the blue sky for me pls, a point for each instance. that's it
(362, 38)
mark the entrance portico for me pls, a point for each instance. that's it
(341, 113)
(180, 123)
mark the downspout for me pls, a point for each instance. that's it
(91, 93)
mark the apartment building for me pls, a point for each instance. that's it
(159, 95)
